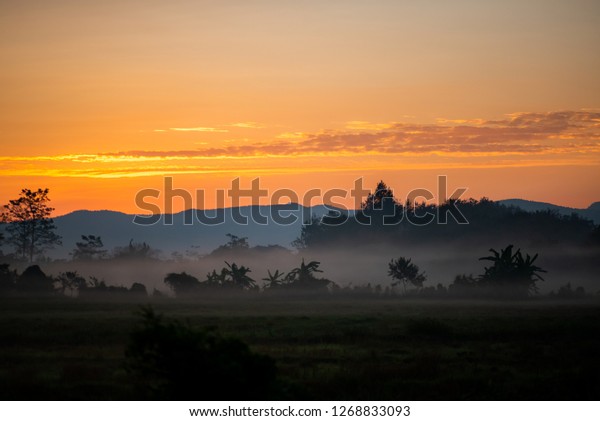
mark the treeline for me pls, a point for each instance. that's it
(383, 219)
(510, 275)
(33, 281)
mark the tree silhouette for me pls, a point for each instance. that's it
(7, 278)
(235, 244)
(30, 228)
(303, 277)
(216, 279)
(381, 198)
(512, 272)
(305, 272)
(135, 251)
(274, 280)
(70, 281)
(88, 249)
(34, 280)
(239, 276)
(405, 272)
(181, 283)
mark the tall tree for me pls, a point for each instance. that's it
(29, 226)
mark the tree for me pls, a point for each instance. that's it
(181, 283)
(405, 272)
(380, 208)
(34, 280)
(274, 280)
(380, 199)
(135, 251)
(70, 281)
(239, 276)
(303, 277)
(88, 249)
(235, 244)
(513, 273)
(7, 278)
(29, 226)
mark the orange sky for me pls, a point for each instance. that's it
(103, 99)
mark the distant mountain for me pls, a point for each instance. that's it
(183, 231)
(592, 212)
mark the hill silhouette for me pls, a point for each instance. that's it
(592, 212)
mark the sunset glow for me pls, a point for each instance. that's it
(103, 99)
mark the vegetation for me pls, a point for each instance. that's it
(169, 360)
(28, 224)
(382, 219)
(330, 348)
(511, 273)
(90, 248)
(302, 336)
(405, 272)
(135, 251)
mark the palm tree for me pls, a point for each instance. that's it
(239, 276)
(274, 280)
(512, 270)
(304, 273)
(303, 277)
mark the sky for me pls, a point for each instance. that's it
(101, 100)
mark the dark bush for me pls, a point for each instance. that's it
(169, 360)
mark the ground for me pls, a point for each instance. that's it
(326, 348)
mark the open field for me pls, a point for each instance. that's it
(324, 347)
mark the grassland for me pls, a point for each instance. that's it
(341, 348)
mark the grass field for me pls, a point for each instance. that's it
(340, 348)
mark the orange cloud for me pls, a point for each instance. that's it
(521, 139)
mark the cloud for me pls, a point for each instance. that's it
(365, 125)
(247, 125)
(291, 135)
(556, 138)
(198, 129)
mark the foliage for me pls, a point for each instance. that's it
(70, 281)
(567, 291)
(512, 272)
(181, 283)
(135, 251)
(464, 286)
(89, 248)
(235, 244)
(405, 272)
(231, 276)
(303, 278)
(8, 278)
(395, 224)
(29, 226)
(238, 276)
(34, 280)
(169, 360)
(274, 280)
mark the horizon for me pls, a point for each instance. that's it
(296, 203)
(101, 101)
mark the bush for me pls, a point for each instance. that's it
(169, 360)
